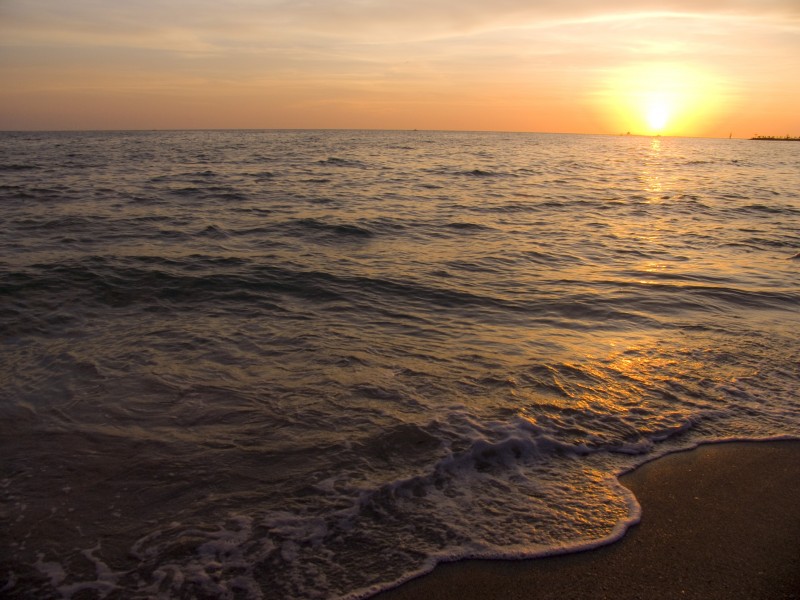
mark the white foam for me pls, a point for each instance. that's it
(50, 569)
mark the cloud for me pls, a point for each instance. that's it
(459, 16)
(200, 25)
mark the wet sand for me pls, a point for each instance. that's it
(718, 522)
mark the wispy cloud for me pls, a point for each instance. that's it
(201, 24)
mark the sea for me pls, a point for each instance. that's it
(314, 364)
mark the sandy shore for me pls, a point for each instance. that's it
(718, 522)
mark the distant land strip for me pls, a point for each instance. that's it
(773, 138)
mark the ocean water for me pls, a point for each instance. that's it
(313, 364)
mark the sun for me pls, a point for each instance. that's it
(657, 113)
(659, 99)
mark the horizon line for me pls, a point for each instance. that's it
(375, 129)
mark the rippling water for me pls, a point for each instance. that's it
(312, 364)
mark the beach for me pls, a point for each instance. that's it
(720, 521)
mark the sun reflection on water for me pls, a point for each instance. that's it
(653, 172)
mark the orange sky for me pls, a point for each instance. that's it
(680, 67)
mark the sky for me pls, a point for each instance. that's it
(671, 67)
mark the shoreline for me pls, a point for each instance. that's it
(721, 520)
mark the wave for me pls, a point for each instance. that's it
(18, 167)
(262, 373)
(480, 173)
(68, 223)
(335, 161)
(477, 173)
(706, 297)
(214, 232)
(771, 209)
(106, 282)
(436, 514)
(262, 176)
(335, 230)
(466, 226)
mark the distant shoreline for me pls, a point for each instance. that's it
(772, 138)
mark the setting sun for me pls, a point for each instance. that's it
(657, 114)
(656, 99)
